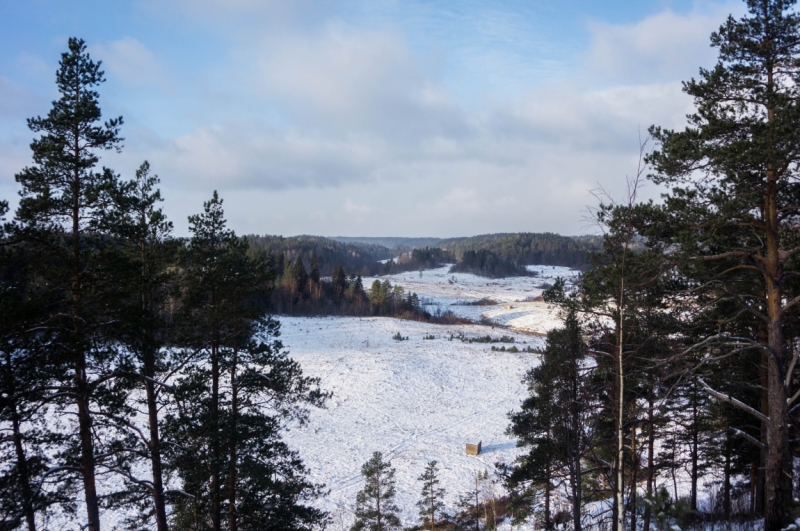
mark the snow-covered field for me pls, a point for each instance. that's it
(418, 400)
(514, 297)
(414, 401)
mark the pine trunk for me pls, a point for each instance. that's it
(778, 488)
(216, 451)
(156, 465)
(234, 448)
(22, 471)
(87, 448)
(650, 459)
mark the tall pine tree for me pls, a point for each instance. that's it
(733, 207)
(70, 212)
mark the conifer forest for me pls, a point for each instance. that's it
(151, 381)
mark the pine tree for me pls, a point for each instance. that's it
(152, 257)
(733, 227)
(375, 508)
(470, 502)
(71, 212)
(233, 400)
(432, 503)
(199, 425)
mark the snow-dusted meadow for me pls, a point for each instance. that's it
(515, 308)
(421, 399)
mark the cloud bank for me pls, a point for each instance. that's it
(307, 122)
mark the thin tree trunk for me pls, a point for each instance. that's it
(378, 499)
(547, 523)
(726, 493)
(577, 474)
(694, 471)
(650, 458)
(620, 413)
(477, 506)
(634, 467)
(24, 479)
(22, 470)
(216, 451)
(234, 448)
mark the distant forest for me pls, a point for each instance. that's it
(391, 242)
(490, 255)
(529, 248)
(357, 259)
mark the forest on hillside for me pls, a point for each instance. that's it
(361, 258)
(528, 248)
(490, 255)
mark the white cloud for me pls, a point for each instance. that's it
(357, 129)
(663, 46)
(131, 62)
(349, 79)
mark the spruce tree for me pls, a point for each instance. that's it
(71, 212)
(375, 508)
(555, 421)
(338, 282)
(731, 213)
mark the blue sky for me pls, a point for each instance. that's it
(369, 117)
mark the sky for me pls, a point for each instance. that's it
(369, 117)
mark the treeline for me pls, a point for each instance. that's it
(679, 353)
(488, 264)
(394, 244)
(492, 255)
(528, 248)
(360, 258)
(418, 260)
(138, 372)
(300, 292)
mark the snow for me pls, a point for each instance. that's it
(418, 400)
(515, 308)
(414, 401)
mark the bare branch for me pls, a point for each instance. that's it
(734, 402)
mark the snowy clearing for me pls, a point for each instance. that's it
(415, 401)
(418, 400)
